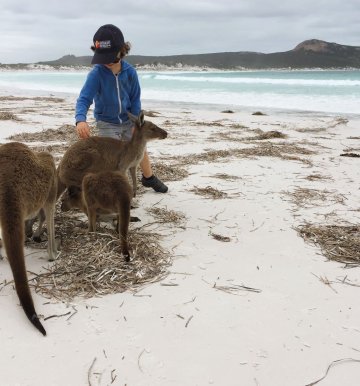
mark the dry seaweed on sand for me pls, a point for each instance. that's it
(62, 134)
(90, 264)
(231, 132)
(207, 156)
(286, 151)
(337, 242)
(267, 135)
(311, 129)
(234, 136)
(8, 116)
(170, 123)
(258, 113)
(237, 126)
(48, 99)
(338, 121)
(12, 98)
(218, 123)
(316, 177)
(150, 113)
(219, 237)
(354, 155)
(281, 149)
(225, 176)
(166, 216)
(169, 172)
(306, 197)
(330, 125)
(234, 289)
(209, 192)
(18, 98)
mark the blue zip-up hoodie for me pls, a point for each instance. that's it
(114, 95)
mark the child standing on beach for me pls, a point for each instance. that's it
(113, 85)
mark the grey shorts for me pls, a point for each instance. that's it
(121, 131)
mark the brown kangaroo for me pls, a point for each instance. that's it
(105, 192)
(96, 154)
(27, 184)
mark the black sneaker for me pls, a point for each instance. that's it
(155, 183)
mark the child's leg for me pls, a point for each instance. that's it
(145, 166)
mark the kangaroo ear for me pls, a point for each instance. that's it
(132, 117)
(139, 121)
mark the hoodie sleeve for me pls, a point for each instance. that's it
(135, 95)
(87, 94)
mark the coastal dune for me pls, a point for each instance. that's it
(247, 280)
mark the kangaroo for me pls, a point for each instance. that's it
(72, 199)
(27, 184)
(105, 192)
(96, 154)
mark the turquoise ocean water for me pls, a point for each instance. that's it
(320, 91)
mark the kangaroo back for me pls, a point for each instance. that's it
(89, 155)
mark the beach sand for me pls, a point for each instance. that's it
(246, 300)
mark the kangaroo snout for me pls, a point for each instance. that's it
(164, 134)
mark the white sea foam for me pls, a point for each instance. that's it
(323, 91)
(240, 80)
(348, 105)
(38, 87)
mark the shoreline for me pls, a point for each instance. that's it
(164, 68)
(155, 103)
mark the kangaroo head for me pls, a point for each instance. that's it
(71, 198)
(146, 129)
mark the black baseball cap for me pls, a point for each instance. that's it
(108, 40)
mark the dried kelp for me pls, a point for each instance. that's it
(337, 242)
(219, 237)
(286, 151)
(209, 192)
(267, 135)
(169, 172)
(8, 116)
(90, 264)
(166, 216)
(306, 197)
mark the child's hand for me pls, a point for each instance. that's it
(83, 129)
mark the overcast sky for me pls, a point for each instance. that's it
(40, 30)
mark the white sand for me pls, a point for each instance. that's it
(191, 333)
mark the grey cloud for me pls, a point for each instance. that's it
(45, 30)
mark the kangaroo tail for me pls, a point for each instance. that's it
(12, 224)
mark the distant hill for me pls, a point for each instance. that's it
(308, 54)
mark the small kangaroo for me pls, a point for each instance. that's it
(96, 154)
(103, 193)
(27, 184)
